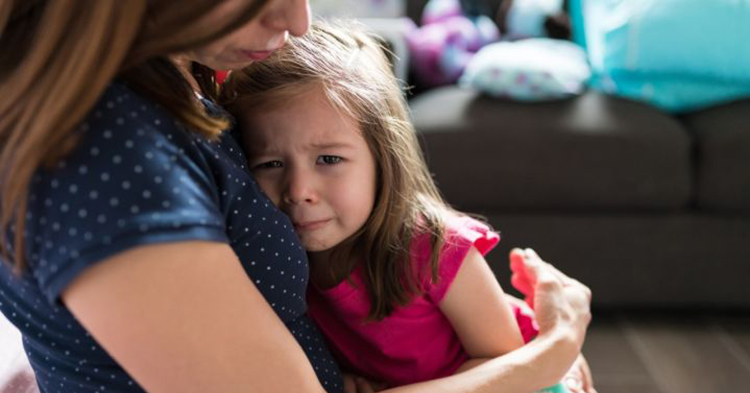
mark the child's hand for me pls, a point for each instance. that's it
(357, 384)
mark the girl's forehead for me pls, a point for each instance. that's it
(309, 124)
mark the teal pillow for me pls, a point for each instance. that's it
(575, 13)
(533, 69)
(670, 93)
(677, 54)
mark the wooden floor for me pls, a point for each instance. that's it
(629, 352)
(658, 352)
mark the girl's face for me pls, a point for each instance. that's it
(258, 38)
(314, 164)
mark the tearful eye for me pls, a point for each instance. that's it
(328, 160)
(268, 165)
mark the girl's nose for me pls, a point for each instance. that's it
(300, 188)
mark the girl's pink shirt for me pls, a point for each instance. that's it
(416, 342)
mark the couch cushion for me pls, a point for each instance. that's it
(722, 137)
(592, 152)
(679, 260)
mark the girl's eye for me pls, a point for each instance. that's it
(269, 165)
(329, 160)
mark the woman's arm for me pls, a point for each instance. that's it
(479, 312)
(534, 366)
(563, 314)
(184, 317)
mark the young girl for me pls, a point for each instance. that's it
(399, 287)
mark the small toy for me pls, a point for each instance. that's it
(447, 39)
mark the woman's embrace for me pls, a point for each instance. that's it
(138, 251)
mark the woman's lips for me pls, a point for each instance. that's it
(257, 54)
(310, 225)
(276, 42)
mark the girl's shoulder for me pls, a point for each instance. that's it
(460, 233)
(463, 231)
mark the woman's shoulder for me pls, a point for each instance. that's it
(121, 112)
(135, 177)
(126, 131)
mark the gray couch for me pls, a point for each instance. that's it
(647, 208)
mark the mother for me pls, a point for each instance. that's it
(130, 224)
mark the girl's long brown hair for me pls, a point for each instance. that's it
(353, 71)
(57, 58)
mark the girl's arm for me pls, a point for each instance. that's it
(184, 317)
(479, 311)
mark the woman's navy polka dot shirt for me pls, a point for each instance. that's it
(139, 178)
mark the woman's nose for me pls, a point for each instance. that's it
(290, 15)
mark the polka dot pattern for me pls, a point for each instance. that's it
(139, 178)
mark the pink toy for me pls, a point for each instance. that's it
(442, 47)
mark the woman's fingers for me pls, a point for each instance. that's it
(587, 378)
(538, 271)
(363, 385)
(578, 379)
(357, 384)
(565, 279)
(556, 298)
(526, 266)
(574, 385)
(562, 277)
(349, 385)
(574, 379)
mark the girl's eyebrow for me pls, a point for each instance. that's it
(331, 145)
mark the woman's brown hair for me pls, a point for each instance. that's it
(353, 71)
(57, 58)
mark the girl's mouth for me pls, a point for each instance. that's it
(310, 225)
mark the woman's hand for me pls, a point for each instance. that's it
(558, 300)
(578, 379)
(357, 384)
